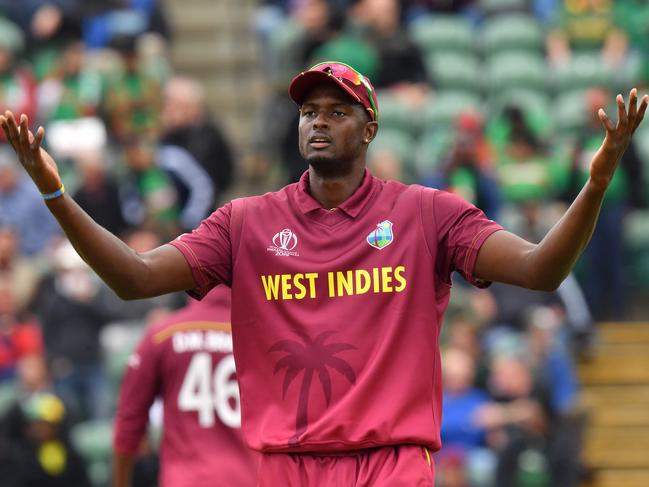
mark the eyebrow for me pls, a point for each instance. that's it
(338, 104)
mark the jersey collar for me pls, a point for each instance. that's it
(352, 206)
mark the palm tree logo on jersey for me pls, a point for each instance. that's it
(312, 357)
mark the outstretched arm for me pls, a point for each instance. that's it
(505, 257)
(130, 274)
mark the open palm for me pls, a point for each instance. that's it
(37, 162)
(618, 137)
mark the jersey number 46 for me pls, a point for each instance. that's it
(211, 391)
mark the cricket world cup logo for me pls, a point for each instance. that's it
(283, 243)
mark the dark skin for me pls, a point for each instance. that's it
(337, 164)
(336, 159)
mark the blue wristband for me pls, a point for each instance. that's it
(55, 194)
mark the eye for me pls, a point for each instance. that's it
(308, 113)
(338, 114)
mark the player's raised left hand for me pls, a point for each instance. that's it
(618, 137)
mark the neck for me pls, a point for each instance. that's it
(331, 191)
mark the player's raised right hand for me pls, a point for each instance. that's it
(37, 162)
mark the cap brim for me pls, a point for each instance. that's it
(303, 82)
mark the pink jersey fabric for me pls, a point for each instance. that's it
(390, 466)
(187, 360)
(336, 314)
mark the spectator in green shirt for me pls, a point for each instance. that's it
(605, 286)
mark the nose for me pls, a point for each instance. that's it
(320, 121)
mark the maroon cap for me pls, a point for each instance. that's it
(346, 77)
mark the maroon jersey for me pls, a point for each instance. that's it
(336, 314)
(187, 360)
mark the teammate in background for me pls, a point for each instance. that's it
(339, 285)
(187, 359)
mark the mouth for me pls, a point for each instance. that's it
(319, 142)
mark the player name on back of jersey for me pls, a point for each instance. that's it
(334, 284)
(202, 340)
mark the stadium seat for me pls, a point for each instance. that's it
(118, 340)
(535, 104)
(442, 33)
(510, 70)
(431, 150)
(454, 70)
(569, 111)
(490, 7)
(583, 71)
(394, 114)
(93, 440)
(397, 141)
(512, 32)
(8, 394)
(393, 151)
(445, 106)
(636, 236)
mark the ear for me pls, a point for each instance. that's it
(370, 131)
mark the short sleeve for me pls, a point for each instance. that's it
(139, 388)
(461, 229)
(208, 251)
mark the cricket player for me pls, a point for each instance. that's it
(339, 283)
(187, 360)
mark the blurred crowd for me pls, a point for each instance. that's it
(139, 152)
(495, 100)
(492, 99)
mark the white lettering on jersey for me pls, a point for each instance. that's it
(196, 341)
(219, 395)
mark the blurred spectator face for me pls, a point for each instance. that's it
(140, 155)
(382, 15)
(462, 336)
(458, 370)
(7, 300)
(510, 378)
(8, 246)
(45, 412)
(73, 59)
(143, 240)
(46, 21)
(596, 98)
(542, 324)
(468, 130)
(74, 279)
(32, 373)
(313, 15)
(183, 103)
(6, 59)
(8, 175)
(385, 164)
(92, 170)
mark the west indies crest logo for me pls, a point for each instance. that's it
(381, 236)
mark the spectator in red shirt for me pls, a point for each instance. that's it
(20, 335)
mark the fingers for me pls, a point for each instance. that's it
(633, 101)
(24, 134)
(608, 125)
(5, 127)
(36, 144)
(622, 118)
(641, 111)
(11, 129)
